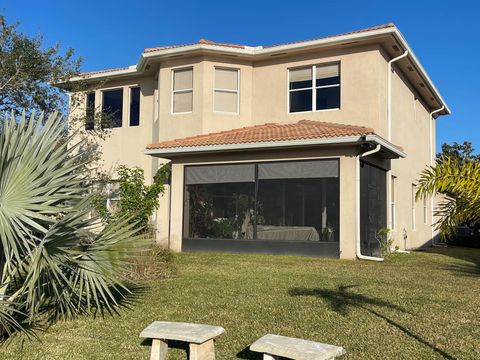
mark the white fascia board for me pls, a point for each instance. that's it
(345, 140)
(105, 74)
(420, 68)
(386, 145)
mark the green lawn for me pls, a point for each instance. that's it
(425, 305)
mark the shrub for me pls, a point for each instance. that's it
(156, 263)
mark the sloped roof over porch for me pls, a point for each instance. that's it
(304, 133)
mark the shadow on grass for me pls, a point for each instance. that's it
(125, 299)
(342, 300)
(470, 257)
(249, 354)
(172, 344)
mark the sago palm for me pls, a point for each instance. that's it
(56, 261)
(459, 182)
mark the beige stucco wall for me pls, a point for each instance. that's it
(411, 130)
(359, 90)
(263, 99)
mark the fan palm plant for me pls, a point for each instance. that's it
(56, 261)
(459, 182)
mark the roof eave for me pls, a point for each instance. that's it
(173, 152)
(253, 51)
(107, 74)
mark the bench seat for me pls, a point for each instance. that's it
(273, 346)
(200, 338)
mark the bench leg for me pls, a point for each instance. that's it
(159, 350)
(205, 351)
(269, 357)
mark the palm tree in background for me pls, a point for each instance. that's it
(459, 181)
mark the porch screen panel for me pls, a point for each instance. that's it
(298, 201)
(219, 201)
(299, 169)
(281, 201)
(220, 174)
(373, 207)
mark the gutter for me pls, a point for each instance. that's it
(346, 140)
(357, 206)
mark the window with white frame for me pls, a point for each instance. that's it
(182, 91)
(226, 90)
(314, 88)
(113, 196)
(392, 199)
(425, 211)
(414, 222)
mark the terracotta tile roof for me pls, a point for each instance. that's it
(304, 129)
(238, 46)
(378, 27)
(200, 42)
(102, 71)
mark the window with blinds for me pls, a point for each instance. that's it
(226, 90)
(314, 88)
(182, 91)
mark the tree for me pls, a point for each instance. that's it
(459, 181)
(463, 152)
(37, 77)
(27, 69)
(55, 260)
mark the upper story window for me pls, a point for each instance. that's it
(134, 119)
(90, 111)
(226, 91)
(314, 88)
(182, 91)
(112, 106)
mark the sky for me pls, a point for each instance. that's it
(443, 34)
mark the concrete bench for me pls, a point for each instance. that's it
(274, 346)
(200, 338)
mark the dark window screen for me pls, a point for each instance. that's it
(290, 201)
(112, 107)
(373, 207)
(90, 112)
(135, 106)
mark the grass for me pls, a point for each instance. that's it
(424, 305)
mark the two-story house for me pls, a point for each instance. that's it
(302, 148)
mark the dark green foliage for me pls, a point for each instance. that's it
(138, 201)
(27, 68)
(462, 152)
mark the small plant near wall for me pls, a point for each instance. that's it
(384, 239)
(136, 200)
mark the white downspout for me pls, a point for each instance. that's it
(357, 205)
(430, 122)
(389, 131)
(389, 94)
